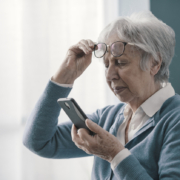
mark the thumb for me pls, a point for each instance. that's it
(94, 127)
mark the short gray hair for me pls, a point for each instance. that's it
(155, 38)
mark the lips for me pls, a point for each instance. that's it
(118, 89)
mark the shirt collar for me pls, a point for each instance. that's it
(127, 111)
(154, 103)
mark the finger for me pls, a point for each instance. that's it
(83, 131)
(95, 47)
(75, 137)
(85, 49)
(84, 149)
(94, 127)
(73, 133)
(85, 43)
(85, 136)
(91, 43)
(76, 49)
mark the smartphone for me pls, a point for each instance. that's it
(74, 112)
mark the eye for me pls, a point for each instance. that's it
(121, 63)
(106, 65)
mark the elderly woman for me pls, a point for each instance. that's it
(139, 138)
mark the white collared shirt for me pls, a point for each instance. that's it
(142, 114)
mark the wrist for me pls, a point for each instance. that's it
(62, 79)
(120, 157)
(115, 152)
(63, 76)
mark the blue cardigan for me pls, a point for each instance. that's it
(155, 148)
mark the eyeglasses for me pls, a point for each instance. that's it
(117, 49)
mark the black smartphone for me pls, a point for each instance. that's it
(74, 112)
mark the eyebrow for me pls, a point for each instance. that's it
(124, 54)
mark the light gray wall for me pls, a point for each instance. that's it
(127, 7)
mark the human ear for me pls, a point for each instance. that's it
(155, 66)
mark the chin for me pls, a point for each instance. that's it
(124, 99)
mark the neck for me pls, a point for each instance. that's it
(136, 102)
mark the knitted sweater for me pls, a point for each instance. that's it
(155, 148)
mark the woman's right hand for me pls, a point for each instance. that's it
(78, 58)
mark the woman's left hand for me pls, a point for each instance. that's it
(102, 144)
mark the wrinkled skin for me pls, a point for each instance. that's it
(102, 144)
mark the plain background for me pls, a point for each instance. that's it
(168, 12)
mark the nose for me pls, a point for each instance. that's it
(111, 73)
(108, 49)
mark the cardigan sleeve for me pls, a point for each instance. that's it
(43, 135)
(169, 160)
(131, 169)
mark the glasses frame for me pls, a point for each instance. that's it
(125, 43)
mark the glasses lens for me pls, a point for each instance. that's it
(100, 50)
(117, 49)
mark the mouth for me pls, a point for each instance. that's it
(118, 89)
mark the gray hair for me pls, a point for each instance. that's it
(149, 34)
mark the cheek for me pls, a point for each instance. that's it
(108, 82)
(132, 79)
(138, 84)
